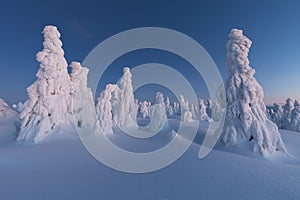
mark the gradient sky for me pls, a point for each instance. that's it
(273, 26)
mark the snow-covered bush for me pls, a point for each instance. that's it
(49, 97)
(245, 117)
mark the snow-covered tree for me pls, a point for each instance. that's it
(115, 104)
(169, 108)
(144, 109)
(104, 108)
(276, 113)
(9, 123)
(18, 107)
(202, 110)
(126, 107)
(295, 117)
(136, 108)
(209, 107)
(186, 114)
(176, 108)
(83, 103)
(158, 114)
(49, 97)
(285, 120)
(215, 111)
(245, 118)
(194, 112)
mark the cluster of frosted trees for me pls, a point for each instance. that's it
(286, 116)
(117, 107)
(56, 97)
(49, 103)
(203, 111)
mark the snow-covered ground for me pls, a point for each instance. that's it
(61, 168)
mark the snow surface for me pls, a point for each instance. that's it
(60, 168)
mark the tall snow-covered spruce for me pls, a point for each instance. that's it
(116, 106)
(49, 97)
(83, 104)
(126, 106)
(104, 108)
(245, 118)
(158, 114)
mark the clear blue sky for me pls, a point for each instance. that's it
(273, 26)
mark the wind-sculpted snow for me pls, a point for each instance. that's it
(245, 117)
